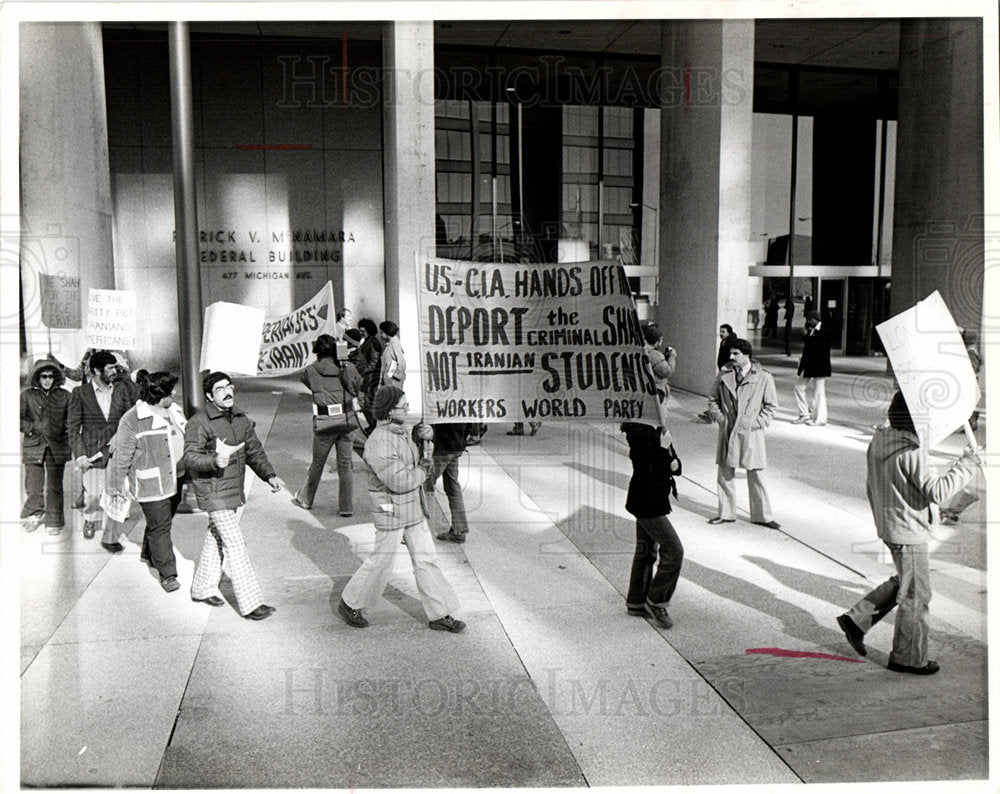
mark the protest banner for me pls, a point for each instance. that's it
(932, 367)
(231, 338)
(112, 323)
(60, 301)
(286, 341)
(516, 342)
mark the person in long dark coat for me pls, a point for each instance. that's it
(44, 447)
(814, 369)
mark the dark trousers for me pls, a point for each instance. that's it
(322, 444)
(654, 535)
(43, 483)
(446, 466)
(157, 544)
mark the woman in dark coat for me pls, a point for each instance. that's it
(44, 447)
(656, 541)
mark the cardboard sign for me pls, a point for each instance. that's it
(60, 301)
(515, 342)
(932, 367)
(112, 323)
(286, 342)
(231, 341)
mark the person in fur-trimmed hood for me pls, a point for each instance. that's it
(44, 447)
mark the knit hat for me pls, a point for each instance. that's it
(385, 400)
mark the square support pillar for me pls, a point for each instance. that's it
(408, 113)
(706, 123)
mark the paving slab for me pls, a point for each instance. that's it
(99, 714)
(957, 751)
(392, 707)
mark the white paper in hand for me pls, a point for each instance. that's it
(116, 506)
(232, 338)
(222, 448)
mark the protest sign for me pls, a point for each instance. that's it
(231, 338)
(60, 300)
(112, 323)
(515, 342)
(932, 367)
(286, 342)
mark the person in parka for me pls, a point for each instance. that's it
(900, 491)
(44, 447)
(742, 402)
(219, 443)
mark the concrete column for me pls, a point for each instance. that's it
(65, 184)
(408, 118)
(706, 125)
(938, 217)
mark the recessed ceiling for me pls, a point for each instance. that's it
(844, 43)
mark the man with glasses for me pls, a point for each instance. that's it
(95, 408)
(44, 447)
(219, 443)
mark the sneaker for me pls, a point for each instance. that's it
(928, 669)
(31, 523)
(90, 529)
(659, 614)
(352, 616)
(447, 623)
(855, 636)
(802, 420)
(451, 536)
(299, 503)
(170, 584)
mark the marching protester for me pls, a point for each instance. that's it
(219, 443)
(814, 369)
(95, 408)
(149, 456)
(334, 385)
(742, 402)
(900, 491)
(662, 359)
(344, 319)
(44, 447)
(656, 541)
(395, 479)
(368, 361)
(393, 371)
(450, 439)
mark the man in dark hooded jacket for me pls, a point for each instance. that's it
(44, 447)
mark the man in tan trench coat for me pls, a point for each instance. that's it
(742, 402)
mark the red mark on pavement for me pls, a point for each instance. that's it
(279, 147)
(802, 654)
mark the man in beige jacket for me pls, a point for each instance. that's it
(900, 492)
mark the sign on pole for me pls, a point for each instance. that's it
(60, 300)
(932, 367)
(112, 323)
(286, 342)
(231, 339)
(515, 342)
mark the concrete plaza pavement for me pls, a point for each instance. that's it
(552, 683)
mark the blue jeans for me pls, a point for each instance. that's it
(656, 541)
(43, 483)
(322, 444)
(909, 591)
(157, 545)
(446, 466)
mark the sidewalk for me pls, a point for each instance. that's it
(552, 683)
